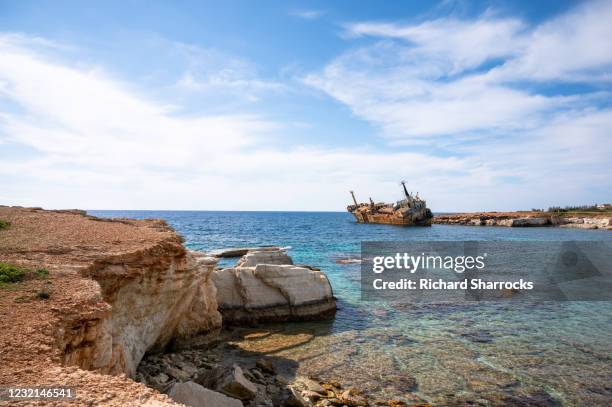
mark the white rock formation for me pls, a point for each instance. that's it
(254, 258)
(268, 287)
(587, 223)
(241, 251)
(193, 395)
(150, 299)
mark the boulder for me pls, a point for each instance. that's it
(352, 398)
(312, 385)
(255, 292)
(194, 395)
(230, 382)
(296, 399)
(311, 395)
(253, 258)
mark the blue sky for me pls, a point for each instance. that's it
(288, 105)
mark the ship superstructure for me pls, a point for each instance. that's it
(410, 211)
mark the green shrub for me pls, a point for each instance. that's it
(10, 273)
(4, 224)
(42, 273)
(43, 294)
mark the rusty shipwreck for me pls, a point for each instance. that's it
(410, 211)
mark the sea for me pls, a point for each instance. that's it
(481, 353)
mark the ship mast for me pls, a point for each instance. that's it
(354, 200)
(405, 190)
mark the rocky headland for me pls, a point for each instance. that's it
(83, 300)
(528, 219)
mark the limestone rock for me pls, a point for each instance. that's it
(352, 399)
(253, 258)
(272, 292)
(312, 385)
(311, 395)
(241, 251)
(120, 288)
(230, 382)
(526, 219)
(193, 395)
(296, 399)
(526, 222)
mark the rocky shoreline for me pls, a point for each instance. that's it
(526, 219)
(246, 380)
(117, 291)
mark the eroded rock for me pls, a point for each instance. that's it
(194, 395)
(230, 382)
(278, 291)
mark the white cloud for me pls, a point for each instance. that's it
(211, 72)
(432, 78)
(572, 47)
(307, 14)
(453, 45)
(470, 87)
(228, 81)
(89, 140)
(75, 136)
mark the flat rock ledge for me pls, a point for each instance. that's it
(265, 286)
(231, 252)
(525, 219)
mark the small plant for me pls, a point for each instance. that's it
(4, 224)
(43, 294)
(10, 273)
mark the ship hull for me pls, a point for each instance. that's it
(410, 211)
(391, 219)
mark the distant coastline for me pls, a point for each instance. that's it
(567, 219)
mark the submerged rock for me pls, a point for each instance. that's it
(352, 398)
(312, 385)
(193, 395)
(296, 399)
(265, 366)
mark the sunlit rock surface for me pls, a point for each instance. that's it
(266, 286)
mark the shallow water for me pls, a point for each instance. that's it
(493, 353)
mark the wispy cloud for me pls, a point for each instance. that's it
(472, 112)
(448, 76)
(95, 142)
(474, 88)
(307, 14)
(215, 73)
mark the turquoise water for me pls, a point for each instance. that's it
(484, 353)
